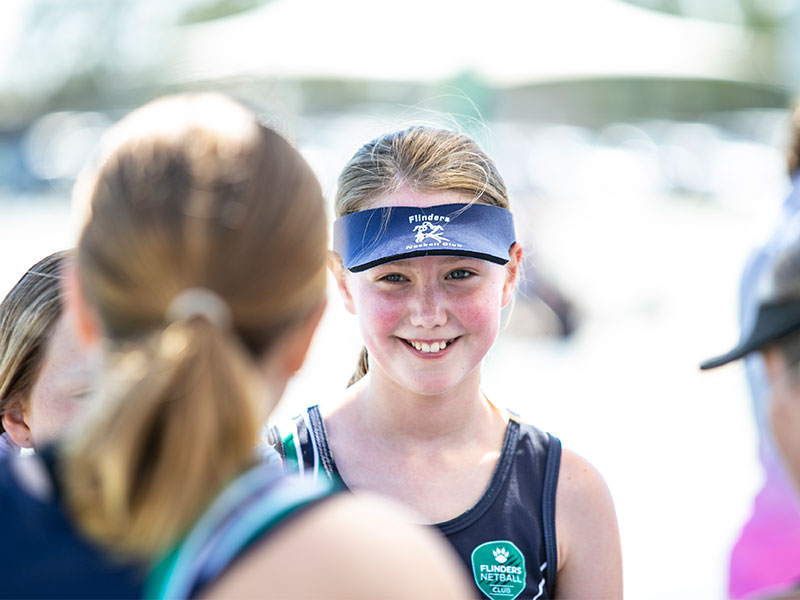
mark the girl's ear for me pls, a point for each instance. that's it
(77, 309)
(512, 272)
(340, 275)
(15, 424)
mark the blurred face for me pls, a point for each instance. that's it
(784, 410)
(427, 322)
(60, 391)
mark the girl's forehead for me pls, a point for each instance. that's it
(406, 196)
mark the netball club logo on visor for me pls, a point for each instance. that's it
(429, 232)
(499, 570)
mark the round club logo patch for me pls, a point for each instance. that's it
(499, 570)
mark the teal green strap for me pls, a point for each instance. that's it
(247, 508)
(291, 464)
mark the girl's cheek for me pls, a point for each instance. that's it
(380, 314)
(482, 308)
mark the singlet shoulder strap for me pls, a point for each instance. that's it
(552, 465)
(320, 440)
(305, 448)
(249, 507)
(295, 448)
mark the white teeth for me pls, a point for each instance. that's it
(429, 347)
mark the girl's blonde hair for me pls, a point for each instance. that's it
(194, 194)
(426, 159)
(28, 315)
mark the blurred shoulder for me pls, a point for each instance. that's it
(348, 547)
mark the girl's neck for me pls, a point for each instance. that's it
(393, 413)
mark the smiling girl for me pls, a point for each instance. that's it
(426, 257)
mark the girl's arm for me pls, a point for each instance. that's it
(589, 552)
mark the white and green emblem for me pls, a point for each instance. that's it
(499, 570)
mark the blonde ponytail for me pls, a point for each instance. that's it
(180, 415)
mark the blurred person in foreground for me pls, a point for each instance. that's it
(767, 552)
(45, 373)
(775, 337)
(200, 273)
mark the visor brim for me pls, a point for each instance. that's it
(372, 237)
(774, 320)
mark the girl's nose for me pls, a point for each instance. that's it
(427, 308)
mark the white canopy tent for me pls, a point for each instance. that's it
(507, 42)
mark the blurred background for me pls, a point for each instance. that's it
(643, 144)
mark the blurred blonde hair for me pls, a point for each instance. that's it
(426, 159)
(193, 193)
(28, 315)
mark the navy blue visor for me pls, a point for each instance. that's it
(369, 238)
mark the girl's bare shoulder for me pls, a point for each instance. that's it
(589, 549)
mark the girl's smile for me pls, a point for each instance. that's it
(433, 348)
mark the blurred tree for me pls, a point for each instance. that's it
(776, 21)
(87, 54)
(761, 14)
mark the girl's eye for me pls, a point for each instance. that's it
(459, 274)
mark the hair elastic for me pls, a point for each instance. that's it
(200, 302)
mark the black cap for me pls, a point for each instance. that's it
(774, 320)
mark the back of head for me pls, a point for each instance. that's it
(785, 287)
(785, 282)
(205, 241)
(426, 159)
(28, 315)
